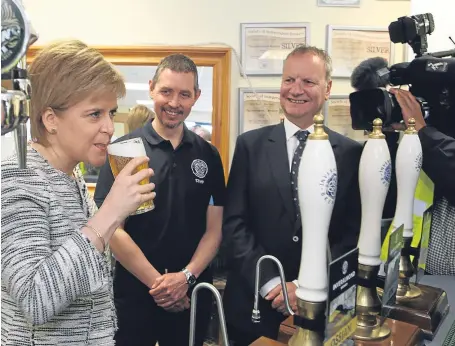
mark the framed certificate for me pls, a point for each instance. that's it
(339, 3)
(337, 117)
(258, 108)
(348, 46)
(264, 46)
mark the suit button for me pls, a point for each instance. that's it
(295, 238)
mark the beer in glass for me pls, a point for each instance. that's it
(119, 154)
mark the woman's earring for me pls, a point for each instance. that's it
(53, 131)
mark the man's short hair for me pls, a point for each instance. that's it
(177, 63)
(322, 54)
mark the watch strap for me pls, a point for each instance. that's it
(190, 278)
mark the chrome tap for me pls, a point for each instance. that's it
(15, 106)
(219, 305)
(256, 316)
(17, 36)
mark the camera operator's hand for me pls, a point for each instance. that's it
(410, 108)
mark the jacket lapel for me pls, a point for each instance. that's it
(334, 142)
(279, 166)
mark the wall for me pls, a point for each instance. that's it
(176, 22)
(442, 11)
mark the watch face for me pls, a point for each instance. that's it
(191, 280)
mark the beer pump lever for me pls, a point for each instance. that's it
(17, 36)
(422, 305)
(374, 181)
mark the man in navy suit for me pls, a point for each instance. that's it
(261, 213)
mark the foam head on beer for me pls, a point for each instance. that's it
(121, 153)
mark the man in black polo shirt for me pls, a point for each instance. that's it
(161, 254)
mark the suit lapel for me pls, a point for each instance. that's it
(334, 143)
(279, 166)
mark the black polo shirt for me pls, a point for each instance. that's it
(187, 180)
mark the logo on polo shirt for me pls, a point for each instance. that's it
(199, 169)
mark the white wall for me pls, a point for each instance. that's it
(178, 22)
(443, 12)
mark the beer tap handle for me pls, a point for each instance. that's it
(408, 166)
(317, 188)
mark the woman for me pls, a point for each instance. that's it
(138, 116)
(56, 280)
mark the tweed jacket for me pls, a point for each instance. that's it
(56, 287)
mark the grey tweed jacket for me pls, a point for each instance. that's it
(56, 287)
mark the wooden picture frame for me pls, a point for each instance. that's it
(219, 58)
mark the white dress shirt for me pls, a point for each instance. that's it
(292, 142)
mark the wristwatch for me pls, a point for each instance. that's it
(190, 278)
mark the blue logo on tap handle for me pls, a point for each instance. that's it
(386, 172)
(329, 184)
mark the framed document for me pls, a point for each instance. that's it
(348, 46)
(339, 3)
(337, 115)
(258, 108)
(264, 46)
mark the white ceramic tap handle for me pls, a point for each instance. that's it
(374, 179)
(408, 165)
(317, 183)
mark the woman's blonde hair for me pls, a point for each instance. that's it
(65, 73)
(138, 116)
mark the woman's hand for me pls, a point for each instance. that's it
(126, 194)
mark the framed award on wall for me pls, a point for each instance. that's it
(264, 46)
(348, 46)
(337, 115)
(258, 107)
(339, 3)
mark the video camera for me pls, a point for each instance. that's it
(431, 77)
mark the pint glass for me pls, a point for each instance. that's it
(120, 154)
